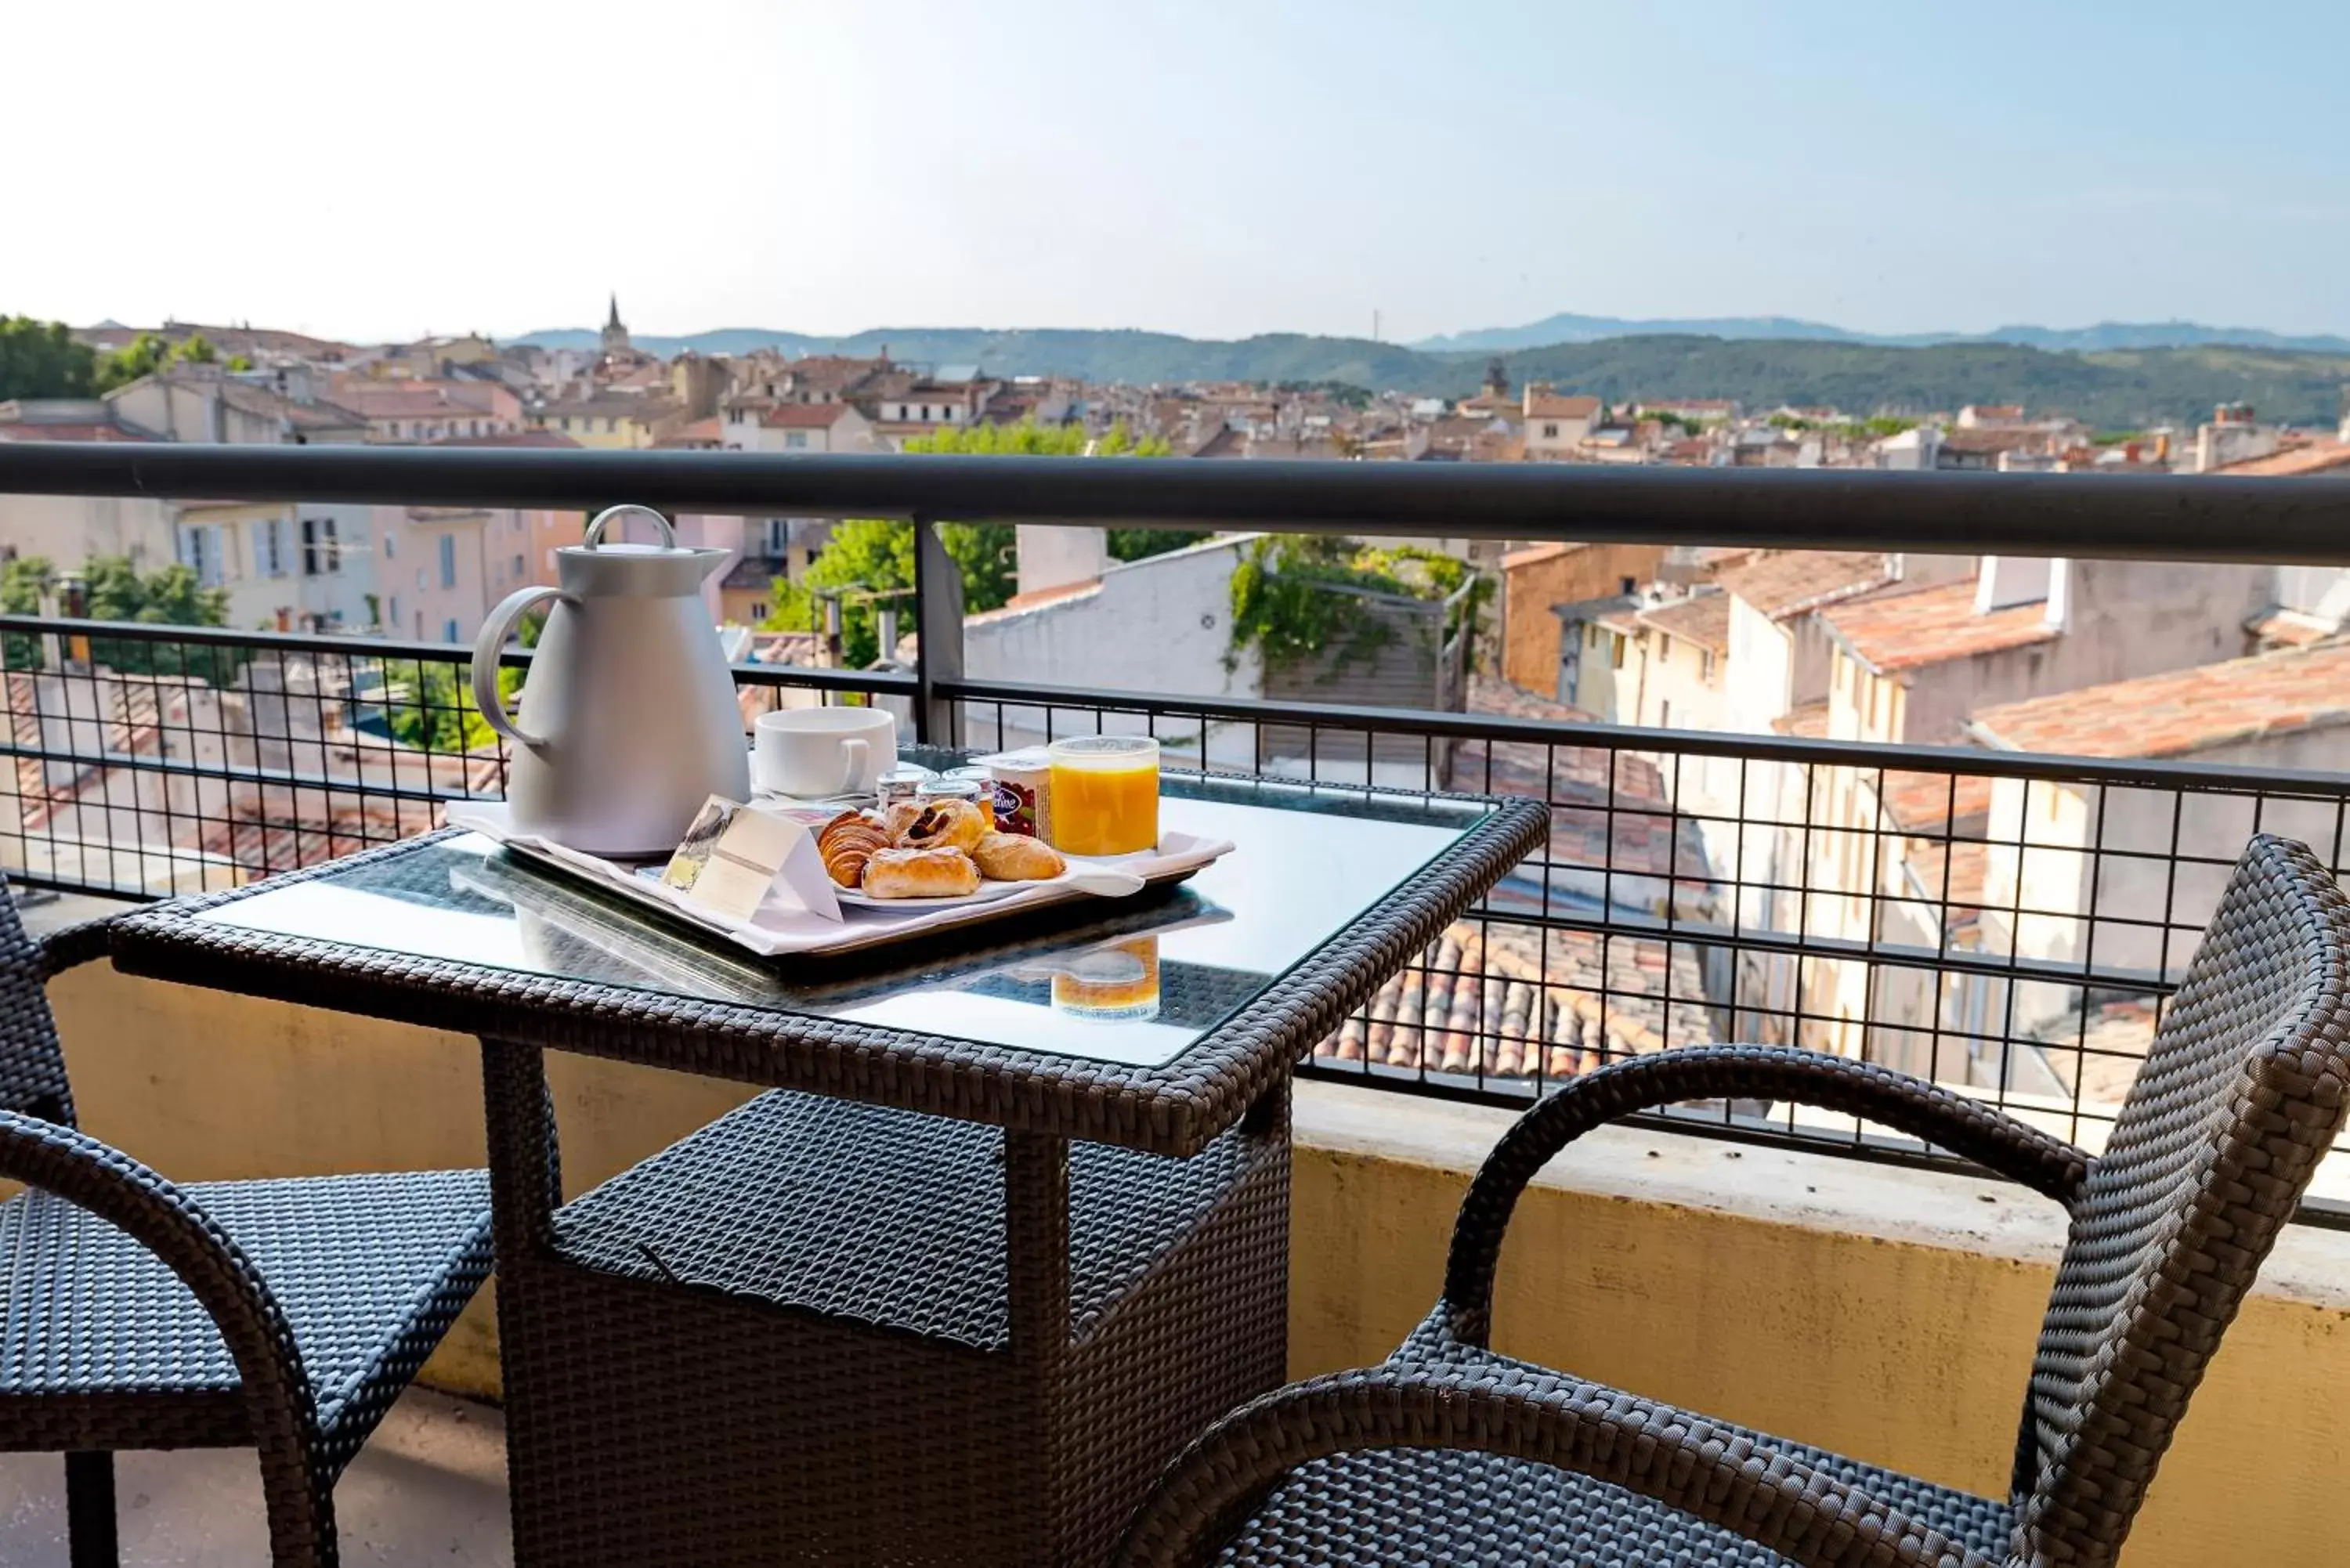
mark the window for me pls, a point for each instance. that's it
(1705, 666)
(610, 425)
(1615, 656)
(420, 579)
(321, 555)
(796, 439)
(449, 630)
(1593, 633)
(1630, 585)
(200, 552)
(1550, 432)
(1664, 648)
(758, 609)
(520, 567)
(448, 560)
(395, 609)
(391, 548)
(269, 548)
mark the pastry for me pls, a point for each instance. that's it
(898, 816)
(946, 825)
(847, 843)
(919, 874)
(1010, 857)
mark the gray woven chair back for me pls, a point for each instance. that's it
(32, 1067)
(2240, 1097)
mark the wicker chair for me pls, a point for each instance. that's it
(283, 1315)
(1452, 1454)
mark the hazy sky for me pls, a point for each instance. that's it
(1211, 167)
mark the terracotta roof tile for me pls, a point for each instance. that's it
(1916, 627)
(1809, 719)
(1544, 406)
(2293, 462)
(1702, 619)
(803, 416)
(1509, 1000)
(2184, 711)
(1788, 583)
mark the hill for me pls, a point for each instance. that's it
(2105, 335)
(2116, 388)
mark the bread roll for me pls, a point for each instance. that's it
(847, 843)
(919, 874)
(1010, 857)
(946, 825)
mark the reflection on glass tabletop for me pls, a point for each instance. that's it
(1136, 981)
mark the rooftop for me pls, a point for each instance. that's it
(2321, 456)
(804, 416)
(1702, 619)
(1549, 406)
(1788, 583)
(2185, 710)
(1912, 628)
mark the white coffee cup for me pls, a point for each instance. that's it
(813, 753)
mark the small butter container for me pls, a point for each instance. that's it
(1024, 793)
(900, 783)
(982, 781)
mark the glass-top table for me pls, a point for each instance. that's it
(1137, 980)
(940, 1296)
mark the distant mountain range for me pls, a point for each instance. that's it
(2104, 336)
(2123, 386)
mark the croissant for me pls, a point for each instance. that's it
(946, 825)
(920, 873)
(847, 843)
(1010, 857)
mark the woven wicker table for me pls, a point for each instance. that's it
(1011, 1228)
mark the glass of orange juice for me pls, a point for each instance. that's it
(1105, 793)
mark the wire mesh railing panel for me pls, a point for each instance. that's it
(150, 763)
(2012, 930)
(2010, 927)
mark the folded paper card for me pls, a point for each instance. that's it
(735, 857)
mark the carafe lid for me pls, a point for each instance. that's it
(593, 540)
(619, 568)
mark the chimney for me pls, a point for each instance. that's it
(2006, 581)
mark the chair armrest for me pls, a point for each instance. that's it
(1966, 1128)
(70, 946)
(1685, 1462)
(165, 1221)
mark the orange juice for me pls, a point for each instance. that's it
(1117, 982)
(1105, 795)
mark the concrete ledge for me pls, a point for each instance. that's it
(1883, 1312)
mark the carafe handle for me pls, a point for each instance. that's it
(595, 535)
(492, 642)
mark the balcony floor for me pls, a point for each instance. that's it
(429, 1488)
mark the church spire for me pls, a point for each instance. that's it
(615, 336)
(614, 319)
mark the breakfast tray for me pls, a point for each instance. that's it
(781, 927)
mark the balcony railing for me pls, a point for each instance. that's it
(1943, 910)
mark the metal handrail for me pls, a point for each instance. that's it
(2163, 517)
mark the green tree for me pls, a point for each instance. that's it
(41, 360)
(147, 353)
(429, 704)
(117, 590)
(870, 555)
